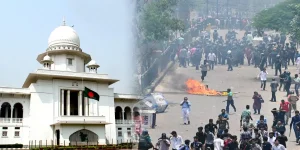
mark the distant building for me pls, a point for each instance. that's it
(50, 107)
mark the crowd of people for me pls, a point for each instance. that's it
(271, 51)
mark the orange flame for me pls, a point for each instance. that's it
(196, 87)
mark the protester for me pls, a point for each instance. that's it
(186, 108)
(176, 140)
(257, 102)
(292, 99)
(263, 78)
(274, 86)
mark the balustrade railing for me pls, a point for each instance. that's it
(120, 121)
(11, 120)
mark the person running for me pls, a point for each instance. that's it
(211, 127)
(204, 68)
(245, 114)
(185, 108)
(293, 124)
(285, 106)
(274, 85)
(263, 78)
(230, 101)
(222, 124)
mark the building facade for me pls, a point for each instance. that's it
(50, 107)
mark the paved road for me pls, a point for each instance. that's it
(241, 80)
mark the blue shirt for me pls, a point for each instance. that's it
(295, 119)
(224, 115)
(186, 105)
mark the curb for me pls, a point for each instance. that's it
(154, 84)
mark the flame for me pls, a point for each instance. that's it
(196, 87)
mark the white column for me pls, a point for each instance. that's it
(123, 116)
(80, 103)
(86, 110)
(68, 103)
(62, 110)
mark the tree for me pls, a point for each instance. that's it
(277, 18)
(158, 19)
(295, 23)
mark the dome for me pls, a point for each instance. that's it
(92, 63)
(64, 35)
(47, 58)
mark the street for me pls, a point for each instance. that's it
(242, 80)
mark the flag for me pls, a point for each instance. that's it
(90, 94)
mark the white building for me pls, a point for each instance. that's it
(50, 107)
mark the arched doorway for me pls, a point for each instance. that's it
(118, 115)
(18, 110)
(83, 137)
(5, 110)
(127, 113)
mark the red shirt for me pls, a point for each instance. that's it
(285, 106)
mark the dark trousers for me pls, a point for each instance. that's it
(277, 69)
(204, 73)
(230, 67)
(211, 146)
(256, 111)
(287, 89)
(230, 102)
(273, 99)
(280, 85)
(263, 84)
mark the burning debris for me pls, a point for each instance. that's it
(196, 87)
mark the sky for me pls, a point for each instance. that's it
(104, 28)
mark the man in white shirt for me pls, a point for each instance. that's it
(218, 143)
(176, 141)
(263, 78)
(211, 60)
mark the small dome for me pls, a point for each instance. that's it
(92, 63)
(64, 35)
(47, 58)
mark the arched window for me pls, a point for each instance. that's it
(127, 113)
(5, 110)
(118, 113)
(18, 110)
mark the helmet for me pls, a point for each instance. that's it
(185, 98)
(229, 52)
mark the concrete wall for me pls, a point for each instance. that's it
(24, 127)
(61, 63)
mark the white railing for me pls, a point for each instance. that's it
(11, 120)
(17, 120)
(120, 121)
